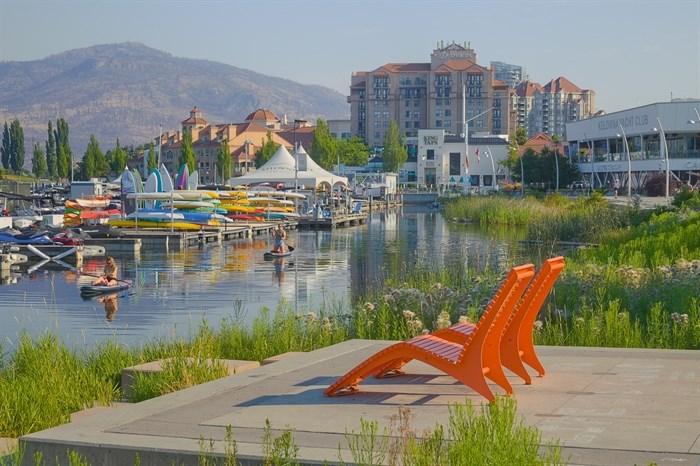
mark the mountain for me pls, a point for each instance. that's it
(129, 90)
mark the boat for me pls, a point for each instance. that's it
(273, 255)
(163, 225)
(94, 290)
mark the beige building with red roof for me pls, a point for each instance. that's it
(243, 140)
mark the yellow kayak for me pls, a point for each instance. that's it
(164, 225)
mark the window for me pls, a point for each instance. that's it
(408, 103)
(377, 135)
(438, 123)
(438, 113)
(407, 124)
(416, 103)
(448, 123)
(416, 114)
(385, 115)
(361, 116)
(448, 112)
(377, 115)
(455, 163)
(430, 154)
(377, 124)
(408, 114)
(438, 102)
(416, 124)
(362, 93)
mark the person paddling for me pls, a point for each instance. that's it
(280, 235)
(109, 276)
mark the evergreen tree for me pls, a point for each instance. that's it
(152, 158)
(17, 147)
(395, 154)
(5, 150)
(51, 163)
(267, 150)
(324, 146)
(38, 162)
(224, 162)
(187, 152)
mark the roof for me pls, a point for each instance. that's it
(284, 168)
(262, 115)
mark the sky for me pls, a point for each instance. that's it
(630, 52)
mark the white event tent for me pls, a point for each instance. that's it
(282, 168)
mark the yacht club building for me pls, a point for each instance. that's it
(633, 145)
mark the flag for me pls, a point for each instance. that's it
(467, 161)
(478, 159)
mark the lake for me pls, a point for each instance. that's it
(174, 291)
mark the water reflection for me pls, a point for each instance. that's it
(174, 291)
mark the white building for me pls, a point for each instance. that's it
(632, 145)
(441, 160)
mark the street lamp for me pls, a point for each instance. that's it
(296, 154)
(668, 164)
(692, 122)
(629, 161)
(493, 167)
(591, 153)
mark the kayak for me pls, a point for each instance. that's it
(94, 290)
(272, 254)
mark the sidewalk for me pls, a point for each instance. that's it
(607, 406)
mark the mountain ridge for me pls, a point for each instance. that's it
(128, 90)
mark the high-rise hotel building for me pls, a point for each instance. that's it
(429, 96)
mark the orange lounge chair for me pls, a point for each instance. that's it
(517, 346)
(469, 361)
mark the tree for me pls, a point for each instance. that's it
(118, 159)
(17, 147)
(187, 152)
(267, 150)
(394, 154)
(512, 162)
(353, 152)
(323, 148)
(38, 161)
(224, 162)
(51, 163)
(5, 150)
(89, 167)
(152, 158)
(64, 155)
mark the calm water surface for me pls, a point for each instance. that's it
(174, 291)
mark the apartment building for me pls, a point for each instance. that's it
(442, 94)
(547, 109)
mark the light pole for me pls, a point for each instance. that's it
(662, 134)
(247, 143)
(296, 154)
(629, 161)
(591, 153)
(556, 163)
(692, 122)
(493, 167)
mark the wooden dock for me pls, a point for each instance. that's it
(334, 220)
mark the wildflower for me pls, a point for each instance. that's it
(389, 298)
(538, 325)
(311, 317)
(464, 320)
(369, 307)
(326, 324)
(443, 320)
(408, 314)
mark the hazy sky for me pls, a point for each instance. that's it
(630, 52)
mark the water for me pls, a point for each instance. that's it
(174, 291)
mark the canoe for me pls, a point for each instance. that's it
(94, 290)
(272, 255)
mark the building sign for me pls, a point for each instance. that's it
(629, 122)
(430, 140)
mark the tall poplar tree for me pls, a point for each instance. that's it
(38, 162)
(395, 154)
(17, 147)
(5, 151)
(152, 158)
(324, 147)
(51, 163)
(223, 161)
(117, 161)
(64, 155)
(90, 166)
(187, 152)
(267, 150)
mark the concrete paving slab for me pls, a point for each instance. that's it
(607, 407)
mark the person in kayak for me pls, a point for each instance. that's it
(109, 276)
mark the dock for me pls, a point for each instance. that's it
(606, 405)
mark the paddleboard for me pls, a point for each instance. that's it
(128, 182)
(193, 180)
(183, 178)
(166, 179)
(153, 183)
(272, 255)
(164, 225)
(94, 290)
(156, 196)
